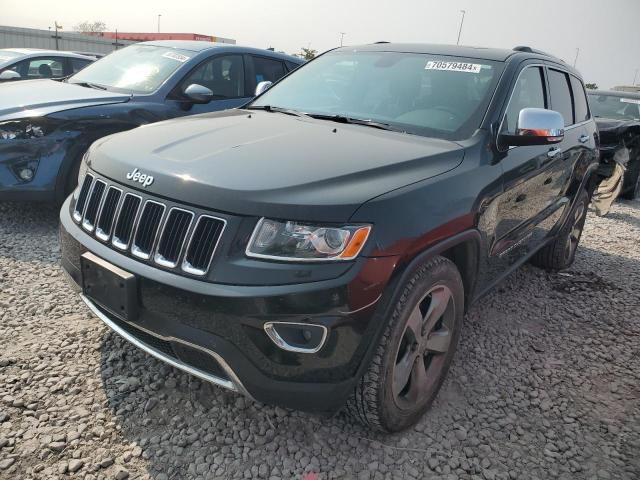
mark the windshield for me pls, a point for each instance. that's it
(423, 94)
(7, 55)
(618, 108)
(135, 69)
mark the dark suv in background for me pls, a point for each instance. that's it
(618, 118)
(321, 245)
(46, 126)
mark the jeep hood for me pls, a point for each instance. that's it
(36, 98)
(271, 164)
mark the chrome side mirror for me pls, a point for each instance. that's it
(198, 93)
(9, 75)
(262, 87)
(536, 126)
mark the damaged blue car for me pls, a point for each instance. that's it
(46, 125)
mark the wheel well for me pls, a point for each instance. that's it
(465, 257)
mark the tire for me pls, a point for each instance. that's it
(561, 253)
(431, 303)
(631, 189)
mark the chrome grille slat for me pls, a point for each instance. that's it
(81, 202)
(202, 244)
(125, 221)
(93, 205)
(147, 229)
(173, 237)
(107, 213)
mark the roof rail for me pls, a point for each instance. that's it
(524, 48)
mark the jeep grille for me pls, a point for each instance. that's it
(172, 237)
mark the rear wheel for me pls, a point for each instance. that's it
(561, 253)
(632, 181)
(415, 351)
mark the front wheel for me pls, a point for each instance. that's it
(415, 351)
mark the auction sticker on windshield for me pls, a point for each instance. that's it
(453, 66)
(176, 56)
(631, 100)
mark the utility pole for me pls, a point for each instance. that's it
(57, 27)
(461, 23)
(116, 44)
(635, 77)
(342, 34)
(159, 15)
(575, 61)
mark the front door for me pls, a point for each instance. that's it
(525, 177)
(224, 75)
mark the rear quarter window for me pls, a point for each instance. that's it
(580, 100)
(561, 100)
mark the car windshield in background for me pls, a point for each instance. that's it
(135, 69)
(422, 94)
(615, 107)
(7, 55)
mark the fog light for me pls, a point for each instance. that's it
(26, 174)
(297, 337)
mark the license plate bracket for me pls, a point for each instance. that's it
(112, 288)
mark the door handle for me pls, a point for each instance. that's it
(554, 152)
(521, 198)
(584, 138)
(548, 181)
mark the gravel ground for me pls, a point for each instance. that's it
(546, 384)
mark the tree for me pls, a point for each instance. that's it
(308, 53)
(96, 26)
(591, 86)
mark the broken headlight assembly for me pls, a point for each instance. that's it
(25, 129)
(300, 242)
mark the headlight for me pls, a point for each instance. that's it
(293, 241)
(25, 129)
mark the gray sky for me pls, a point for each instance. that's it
(606, 31)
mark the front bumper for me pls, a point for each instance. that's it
(216, 331)
(42, 158)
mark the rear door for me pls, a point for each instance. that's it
(578, 147)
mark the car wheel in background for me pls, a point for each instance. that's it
(414, 354)
(631, 189)
(71, 182)
(561, 253)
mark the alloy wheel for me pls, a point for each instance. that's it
(575, 232)
(421, 355)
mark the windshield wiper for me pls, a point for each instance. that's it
(89, 85)
(270, 108)
(355, 121)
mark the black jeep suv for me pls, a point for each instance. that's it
(320, 245)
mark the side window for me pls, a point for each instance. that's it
(223, 75)
(291, 66)
(45, 68)
(561, 100)
(267, 69)
(527, 93)
(580, 100)
(78, 64)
